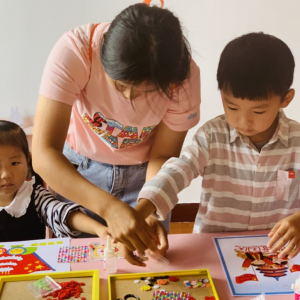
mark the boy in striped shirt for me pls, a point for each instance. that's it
(249, 157)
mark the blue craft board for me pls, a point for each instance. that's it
(232, 264)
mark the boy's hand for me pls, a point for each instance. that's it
(286, 231)
(130, 256)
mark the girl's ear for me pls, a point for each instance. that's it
(29, 163)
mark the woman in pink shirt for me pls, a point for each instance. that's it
(116, 100)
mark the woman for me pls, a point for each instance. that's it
(123, 96)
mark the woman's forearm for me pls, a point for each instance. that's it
(49, 134)
(60, 174)
(154, 166)
(167, 144)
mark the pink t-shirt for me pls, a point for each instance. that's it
(104, 125)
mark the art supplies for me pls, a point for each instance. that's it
(110, 257)
(68, 289)
(163, 285)
(251, 269)
(81, 285)
(96, 250)
(43, 287)
(72, 254)
(28, 257)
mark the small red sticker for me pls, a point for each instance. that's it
(291, 174)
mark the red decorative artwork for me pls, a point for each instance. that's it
(252, 268)
(19, 260)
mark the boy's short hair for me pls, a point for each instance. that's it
(256, 66)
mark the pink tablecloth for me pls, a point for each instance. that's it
(187, 251)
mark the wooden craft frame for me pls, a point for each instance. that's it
(57, 275)
(197, 272)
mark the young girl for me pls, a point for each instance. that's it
(25, 206)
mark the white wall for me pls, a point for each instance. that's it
(28, 30)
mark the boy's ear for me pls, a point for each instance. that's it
(287, 98)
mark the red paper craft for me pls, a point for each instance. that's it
(15, 261)
(245, 277)
(295, 268)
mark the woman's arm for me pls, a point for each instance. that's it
(168, 143)
(49, 135)
(50, 131)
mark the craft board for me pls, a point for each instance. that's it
(29, 257)
(15, 287)
(123, 284)
(251, 269)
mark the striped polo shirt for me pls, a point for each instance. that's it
(242, 188)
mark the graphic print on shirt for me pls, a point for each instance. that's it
(114, 133)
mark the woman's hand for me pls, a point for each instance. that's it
(286, 231)
(161, 240)
(130, 256)
(161, 235)
(128, 227)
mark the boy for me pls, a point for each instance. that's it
(248, 158)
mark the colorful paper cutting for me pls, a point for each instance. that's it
(251, 268)
(30, 257)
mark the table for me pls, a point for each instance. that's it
(187, 251)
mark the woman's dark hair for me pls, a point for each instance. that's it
(13, 135)
(256, 66)
(146, 43)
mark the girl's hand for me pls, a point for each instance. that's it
(286, 231)
(128, 227)
(102, 231)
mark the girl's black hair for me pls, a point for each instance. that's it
(146, 43)
(13, 135)
(256, 66)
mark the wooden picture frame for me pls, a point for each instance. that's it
(127, 285)
(94, 274)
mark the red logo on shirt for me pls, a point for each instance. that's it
(291, 174)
